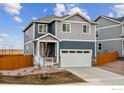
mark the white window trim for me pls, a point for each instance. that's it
(89, 28)
(62, 28)
(43, 32)
(101, 46)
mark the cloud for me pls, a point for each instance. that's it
(79, 10)
(34, 18)
(111, 14)
(14, 10)
(44, 10)
(2, 35)
(17, 19)
(6, 39)
(116, 10)
(59, 9)
(119, 10)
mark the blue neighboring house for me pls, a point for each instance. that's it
(68, 41)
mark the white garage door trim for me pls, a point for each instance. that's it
(76, 57)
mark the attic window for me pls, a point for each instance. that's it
(42, 28)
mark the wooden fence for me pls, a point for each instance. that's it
(106, 58)
(15, 61)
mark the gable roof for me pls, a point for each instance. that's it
(117, 20)
(52, 18)
(77, 13)
(48, 34)
(120, 19)
(48, 19)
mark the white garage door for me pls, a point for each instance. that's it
(75, 58)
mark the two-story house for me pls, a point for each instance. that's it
(110, 35)
(68, 40)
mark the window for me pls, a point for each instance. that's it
(66, 27)
(97, 33)
(86, 29)
(71, 51)
(100, 46)
(86, 51)
(64, 51)
(79, 51)
(42, 28)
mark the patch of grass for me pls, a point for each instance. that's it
(53, 78)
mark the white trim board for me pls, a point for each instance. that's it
(76, 22)
(109, 26)
(110, 39)
(78, 40)
(47, 35)
(28, 42)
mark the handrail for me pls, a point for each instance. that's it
(50, 60)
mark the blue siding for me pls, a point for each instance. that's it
(51, 29)
(78, 45)
(36, 30)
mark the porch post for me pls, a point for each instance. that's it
(57, 52)
(38, 53)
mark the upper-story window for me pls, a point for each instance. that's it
(86, 29)
(97, 33)
(42, 28)
(66, 27)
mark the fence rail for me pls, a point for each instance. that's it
(11, 62)
(106, 58)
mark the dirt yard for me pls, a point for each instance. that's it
(63, 77)
(116, 67)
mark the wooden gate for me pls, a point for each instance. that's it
(11, 62)
(106, 58)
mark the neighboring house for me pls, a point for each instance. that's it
(68, 40)
(110, 35)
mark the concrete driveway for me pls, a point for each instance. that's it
(96, 76)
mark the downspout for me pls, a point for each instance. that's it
(122, 39)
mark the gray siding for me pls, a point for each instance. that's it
(30, 49)
(76, 32)
(110, 46)
(76, 18)
(78, 45)
(29, 32)
(110, 33)
(104, 22)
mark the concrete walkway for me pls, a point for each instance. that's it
(97, 76)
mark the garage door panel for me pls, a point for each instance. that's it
(76, 59)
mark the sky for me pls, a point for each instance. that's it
(14, 17)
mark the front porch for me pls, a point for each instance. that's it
(46, 50)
